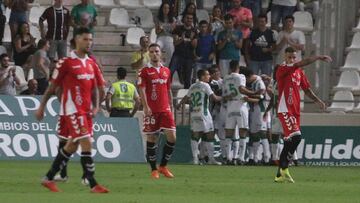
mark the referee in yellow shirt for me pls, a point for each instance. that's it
(123, 97)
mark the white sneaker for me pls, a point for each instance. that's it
(214, 162)
(84, 181)
(58, 178)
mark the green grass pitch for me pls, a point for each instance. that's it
(20, 182)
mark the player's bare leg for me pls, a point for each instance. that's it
(89, 166)
(167, 153)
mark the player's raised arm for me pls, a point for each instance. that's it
(312, 59)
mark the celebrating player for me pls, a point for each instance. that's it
(155, 92)
(201, 120)
(76, 77)
(291, 78)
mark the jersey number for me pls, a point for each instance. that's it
(233, 90)
(196, 99)
(123, 87)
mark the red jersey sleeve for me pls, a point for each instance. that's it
(305, 84)
(142, 78)
(59, 72)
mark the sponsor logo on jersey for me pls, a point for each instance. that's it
(85, 76)
(76, 67)
(159, 80)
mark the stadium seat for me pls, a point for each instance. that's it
(120, 18)
(133, 35)
(355, 43)
(20, 74)
(352, 61)
(276, 34)
(131, 4)
(349, 80)
(35, 13)
(342, 101)
(176, 81)
(303, 21)
(153, 35)
(202, 14)
(209, 4)
(357, 28)
(30, 74)
(146, 17)
(105, 3)
(2, 50)
(152, 4)
(7, 14)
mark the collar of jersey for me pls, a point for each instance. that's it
(74, 56)
(151, 66)
(291, 64)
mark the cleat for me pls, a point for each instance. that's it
(214, 162)
(166, 172)
(155, 174)
(286, 175)
(99, 189)
(51, 185)
(279, 179)
(58, 178)
(84, 181)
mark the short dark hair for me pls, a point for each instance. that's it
(82, 30)
(290, 50)
(234, 64)
(121, 73)
(201, 73)
(2, 56)
(154, 45)
(228, 17)
(246, 71)
(42, 43)
(213, 69)
(203, 22)
(289, 17)
(263, 16)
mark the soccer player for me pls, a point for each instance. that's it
(291, 78)
(217, 109)
(155, 92)
(201, 120)
(237, 112)
(258, 127)
(76, 77)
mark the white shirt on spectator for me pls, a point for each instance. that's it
(295, 36)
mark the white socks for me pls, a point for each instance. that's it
(266, 149)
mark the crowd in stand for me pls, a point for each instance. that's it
(237, 31)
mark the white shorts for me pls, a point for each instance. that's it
(239, 117)
(276, 127)
(257, 122)
(201, 123)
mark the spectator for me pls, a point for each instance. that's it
(181, 5)
(84, 15)
(205, 50)
(243, 18)
(254, 6)
(173, 6)
(217, 21)
(289, 37)
(229, 45)
(32, 88)
(124, 97)
(8, 77)
(311, 6)
(279, 10)
(3, 5)
(164, 25)
(185, 41)
(225, 5)
(18, 14)
(41, 65)
(141, 57)
(58, 19)
(261, 44)
(189, 9)
(25, 46)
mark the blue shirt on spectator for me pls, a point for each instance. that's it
(230, 51)
(205, 47)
